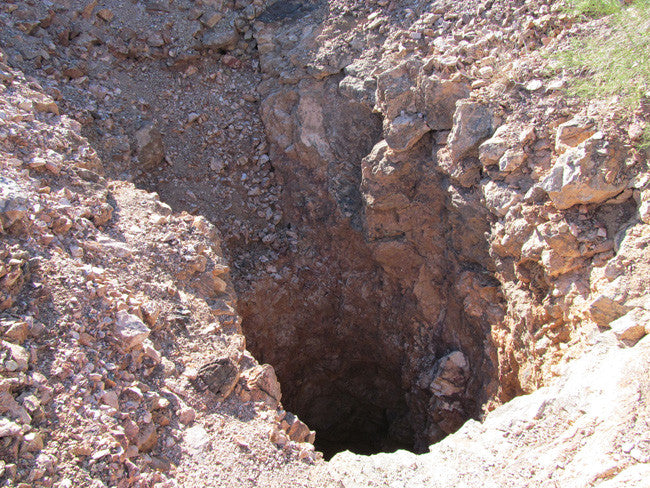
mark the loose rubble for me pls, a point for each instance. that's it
(393, 203)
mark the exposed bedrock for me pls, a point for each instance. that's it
(381, 334)
(445, 245)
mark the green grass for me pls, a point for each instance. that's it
(645, 139)
(595, 8)
(616, 63)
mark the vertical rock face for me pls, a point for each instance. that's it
(381, 230)
(434, 222)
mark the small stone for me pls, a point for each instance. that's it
(534, 85)
(151, 352)
(263, 385)
(130, 330)
(603, 310)
(219, 376)
(150, 313)
(131, 429)
(631, 326)
(46, 104)
(82, 450)
(298, 431)
(147, 438)
(210, 19)
(149, 145)
(196, 439)
(13, 202)
(110, 398)
(491, 151)
(644, 207)
(186, 415)
(278, 437)
(231, 61)
(105, 14)
(156, 40)
(18, 354)
(33, 442)
(527, 136)
(17, 332)
(511, 160)
(9, 428)
(573, 132)
(61, 225)
(223, 37)
(74, 72)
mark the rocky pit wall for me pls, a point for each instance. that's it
(487, 213)
(420, 227)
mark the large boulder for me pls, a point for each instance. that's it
(472, 125)
(590, 173)
(439, 100)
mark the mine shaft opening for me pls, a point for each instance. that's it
(347, 392)
(347, 349)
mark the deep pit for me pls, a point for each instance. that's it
(353, 358)
(358, 358)
(339, 373)
(359, 272)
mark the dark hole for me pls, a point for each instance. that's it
(348, 391)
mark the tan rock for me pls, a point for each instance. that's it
(149, 147)
(43, 103)
(631, 326)
(573, 132)
(130, 330)
(147, 437)
(472, 125)
(17, 332)
(105, 14)
(17, 354)
(511, 160)
(439, 101)
(298, 431)
(404, 131)
(263, 385)
(110, 398)
(590, 173)
(223, 37)
(278, 437)
(603, 310)
(186, 415)
(32, 442)
(491, 151)
(219, 376)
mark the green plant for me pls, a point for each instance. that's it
(614, 61)
(645, 139)
(595, 8)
